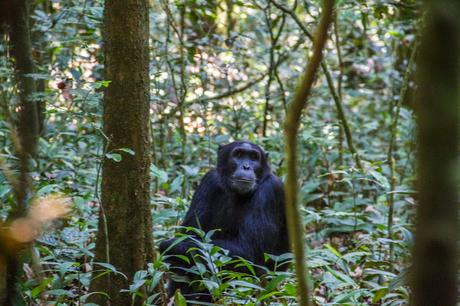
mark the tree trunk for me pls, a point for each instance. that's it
(435, 256)
(21, 51)
(127, 232)
(27, 128)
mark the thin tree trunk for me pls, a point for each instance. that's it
(231, 21)
(391, 147)
(39, 47)
(274, 37)
(292, 124)
(126, 184)
(27, 136)
(21, 51)
(435, 266)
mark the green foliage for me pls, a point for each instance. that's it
(213, 270)
(209, 85)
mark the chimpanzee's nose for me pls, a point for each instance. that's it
(246, 167)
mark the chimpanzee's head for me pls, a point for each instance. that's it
(242, 165)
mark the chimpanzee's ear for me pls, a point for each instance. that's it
(220, 147)
(266, 155)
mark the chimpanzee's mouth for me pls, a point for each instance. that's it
(244, 181)
(243, 185)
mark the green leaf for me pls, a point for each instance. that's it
(110, 268)
(342, 277)
(179, 299)
(238, 283)
(275, 282)
(47, 189)
(60, 292)
(158, 173)
(137, 284)
(244, 263)
(268, 295)
(126, 150)
(114, 156)
(380, 179)
(191, 171)
(333, 250)
(156, 280)
(350, 296)
(176, 184)
(66, 267)
(379, 294)
(100, 84)
(290, 289)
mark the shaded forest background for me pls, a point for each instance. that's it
(221, 70)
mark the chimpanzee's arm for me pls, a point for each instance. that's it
(264, 225)
(198, 215)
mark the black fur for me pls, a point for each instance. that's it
(250, 224)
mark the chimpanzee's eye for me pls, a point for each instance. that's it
(238, 154)
(254, 156)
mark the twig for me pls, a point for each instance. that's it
(233, 91)
(339, 53)
(97, 196)
(330, 83)
(339, 78)
(292, 123)
(390, 157)
(248, 85)
(281, 86)
(273, 43)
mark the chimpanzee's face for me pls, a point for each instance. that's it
(246, 163)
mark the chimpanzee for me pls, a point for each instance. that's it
(244, 201)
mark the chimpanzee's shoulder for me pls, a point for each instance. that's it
(211, 181)
(273, 181)
(211, 175)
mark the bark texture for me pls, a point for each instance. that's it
(125, 240)
(435, 266)
(27, 130)
(21, 52)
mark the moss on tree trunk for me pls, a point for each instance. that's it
(125, 184)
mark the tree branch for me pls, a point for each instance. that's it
(292, 123)
(330, 83)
